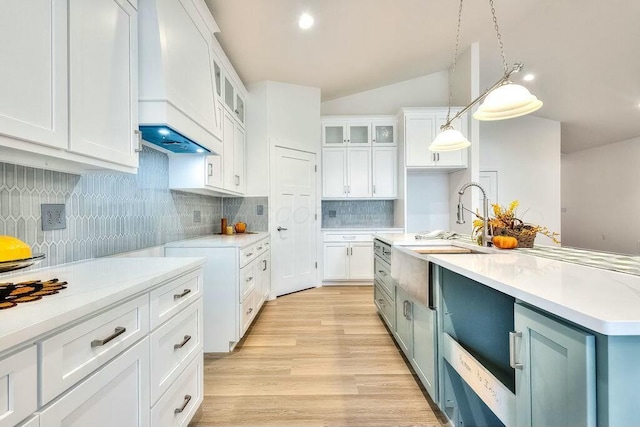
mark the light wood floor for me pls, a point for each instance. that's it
(320, 357)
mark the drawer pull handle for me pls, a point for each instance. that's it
(382, 272)
(249, 279)
(512, 350)
(116, 333)
(185, 292)
(187, 399)
(182, 344)
(349, 237)
(249, 254)
(250, 310)
(259, 248)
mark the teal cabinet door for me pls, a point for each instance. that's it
(555, 372)
(424, 347)
(404, 323)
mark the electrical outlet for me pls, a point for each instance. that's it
(53, 217)
(259, 209)
(332, 214)
(197, 216)
(604, 236)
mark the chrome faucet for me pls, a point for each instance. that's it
(485, 210)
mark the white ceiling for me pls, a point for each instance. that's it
(585, 53)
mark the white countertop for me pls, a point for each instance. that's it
(604, 301)
(92, 285)
(220, 241)
(363, 229)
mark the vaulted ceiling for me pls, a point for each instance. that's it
(585, 53)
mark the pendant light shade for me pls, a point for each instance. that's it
(506, 102)
(449, 140)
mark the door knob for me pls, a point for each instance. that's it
(281, 229)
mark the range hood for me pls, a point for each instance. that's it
(178, 105)
(170, 139)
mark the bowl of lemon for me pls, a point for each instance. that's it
(16, 254)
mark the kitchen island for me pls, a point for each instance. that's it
(550, 340)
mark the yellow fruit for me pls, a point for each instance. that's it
(12, 249)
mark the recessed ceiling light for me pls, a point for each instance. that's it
(199, 150)
(163, 131)
(528, 77)
(306, 21)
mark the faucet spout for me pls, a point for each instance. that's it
(485, 210)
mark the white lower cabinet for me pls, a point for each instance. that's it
(347, 256)
(404, 322)
(178, 405)
(115, 395)
(18, 386)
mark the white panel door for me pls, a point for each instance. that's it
(419, 133)
(115, 395)
(103, 86)
(359, 172)
(385, 172)
(335, 261)
(33, 75)
(293, 228)
(361, 261)
(334, 172)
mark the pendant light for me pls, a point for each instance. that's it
(503, 100)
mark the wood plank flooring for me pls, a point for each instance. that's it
(320, 357)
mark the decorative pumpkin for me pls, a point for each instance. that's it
(241, 227)
(505, 242)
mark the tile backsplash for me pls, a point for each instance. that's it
(357, 213)
(107, 212)
(252, 210)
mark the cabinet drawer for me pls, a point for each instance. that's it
(247, 281)
(385, 305)
(18, 386)
(383, 276)
(247, 311)
(169, 299)
(172, 344)
(348, 237)
(115, 395)
(178, 405)
(73, 354)
(247, 255)
(261, 246)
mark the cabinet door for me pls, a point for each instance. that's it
(336, 265)
(556, 384)
(33, 75)
(361, 261)
(359, 172)
(424, 347)
(228, 137)
(238, 159)
(404, 322)
(265, 279)
(334, 134)
(334, 172)
(359, 133)
(239, 108)
(385, 172)
(229, 94)
(419, 133)
(103, 86)
(115, 395)
(384, 133)
(214, 171)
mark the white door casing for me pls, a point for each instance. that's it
(294, 247)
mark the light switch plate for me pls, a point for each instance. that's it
(197, 216)
(53, 217)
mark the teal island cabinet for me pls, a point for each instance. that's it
(508, 339)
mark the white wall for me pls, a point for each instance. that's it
(427, 202)
(426, 91)
(601, 196)
(279, 114)
(526, 154)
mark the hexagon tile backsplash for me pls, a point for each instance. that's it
(107, 212)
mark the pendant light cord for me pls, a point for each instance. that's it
(499, 36)
(455, 58)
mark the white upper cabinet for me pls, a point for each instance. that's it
(233, 100)
(359, 157)
(68, 84)
(103, 90)
(180, 77)
(33, 75)
(420, 128)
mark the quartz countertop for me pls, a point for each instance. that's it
(220, 241)
(604, 301)
(364, 229)
(92, 285)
